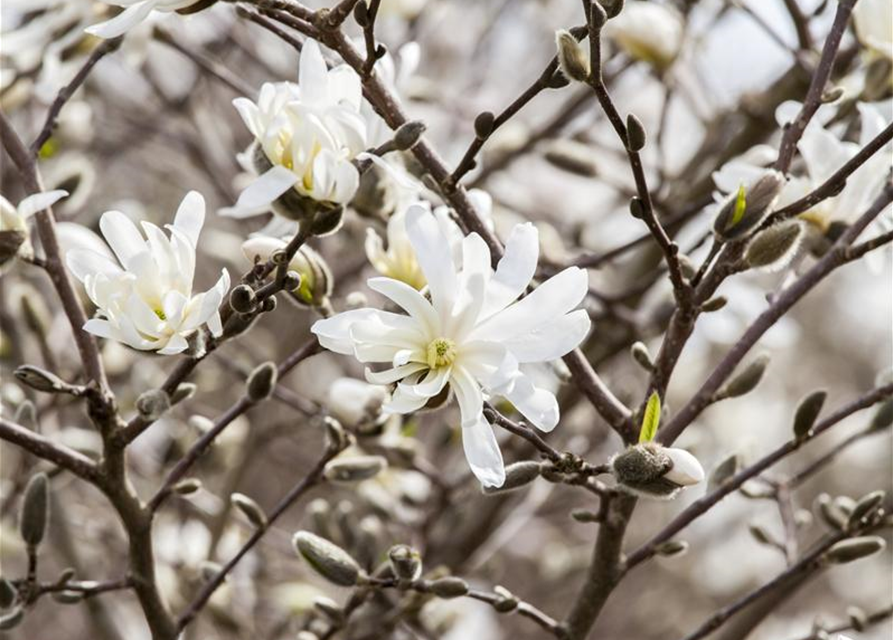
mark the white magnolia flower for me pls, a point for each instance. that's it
(686, 471)
(135, 11)
(307, 135)
(354, 402)
(649, 32)
(406, 9)
(145, 298)
(13, 223)
(874, 25)
(472, 335)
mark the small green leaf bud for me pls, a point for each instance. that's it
(449, 587)
(35, 512)
(714, 304)
(572, 57)
(866, 507)
(746, 210)
(187, 487)
(152, 404)
(507, 601)
(408, 135)
(40, 379)
(746, 381)
(724, 470)
(671, 548)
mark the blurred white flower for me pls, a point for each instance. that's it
(874, 26)
(135, 11)
(686, 469)
(307, 136)
(472, 335)
(13, 223)
(145, 299)
(649, 32)
(354, 402)
(406, 9)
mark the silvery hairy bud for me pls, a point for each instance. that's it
(406, 563)
(354, 469)
(449, 587)
(723, 471)
(253, 511)
(243, 299)
(867, 506)
(774, 248)
(35, 512)
(517, 475)
(152, 404)
(336, 438)
(808, 412)
(261, 382)
(41, 379)
(671, 548)
(641, 356)
(408, 135)
(573, 59)
(187, 487)
(26, 415)
(356, 402)
(855, 549)
(184, 391)
(329, 560)
(652, 470)
(745, 211)
(635, 133)
(746, 381)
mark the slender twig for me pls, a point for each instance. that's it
(873, 618)
(46, 449)
(211, 66)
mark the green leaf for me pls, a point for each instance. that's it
(740, 207)
(651, 420)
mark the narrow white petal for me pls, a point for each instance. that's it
(433, 252)
(551, 340)
(260, 194)
(123, 22)
(191, 216)
(515, 269)
(176, 344)
(39, 201)
(389, 376)
(122, 235)
(411, 301)
(84, 262)
(98, 327)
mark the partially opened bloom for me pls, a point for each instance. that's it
(873, 20)
(13, 222)
(135, 11)
(307, 136)
(649, 32)
(145, 299)
(471, 337)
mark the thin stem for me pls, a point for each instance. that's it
(46, 449)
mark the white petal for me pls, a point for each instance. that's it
(84, 262)
(39, 201)
(478, 440)
(389, 376)
(404, 400)
(537, 405)
(515, 269)
(334, 333)
(686, 468)
(432, 250)
(176, 344)
(191, 216)
(123, 22)
(410, 300)
(257, 197)
(122, 235)
(551, 340)
(98, 327)
(313, 74)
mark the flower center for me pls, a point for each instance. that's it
(160, 313)
(441, 353)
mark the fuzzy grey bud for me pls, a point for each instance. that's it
(747, 380)
(354, 469)
(152, 404)
(262, 381)
(572, 57)
(449, 587)
(517, 475)
(831, 512)
(642, 357)
(671, 548)
(775, 247)
(187, 487)
(35, 511)
(8, 593)
(745, 211)
(635, 132)
(250, 508)
(855, 549)
(507, 601)
(807, 412)
(243, 299)
(40, 379)
(184, 391)
(408, 135)
(866, 506)
(612, 7)
(26, 415)
(329, 560)
(714, 304)
(406, 563)
(724, 470)
(330, 609)
(483, 125)
(883, 417)
(641, 468)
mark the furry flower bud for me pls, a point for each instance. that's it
(261, 382)
(35, 513)
(329, 560)
(354, 469)
(746, 210)
(572, 57)
(406, 563)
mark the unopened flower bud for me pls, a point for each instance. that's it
(572, 57)
(671, 548)
(187, 487)
(775, 247)
(262, 381)
(243, 299)
(723, 471)
(406, 563)
(483, 125)
(250, 508)
(184, 391)
(855, 549)
(449, 587)
(517, 475)
(635, 133)
(35, 512)
(636, 208)
(686, 469)
(507, 601)
(866, 507)
(152, 404)
(807, 412)
(40, 379)
(641, 356)
(8, 593)
(656, 471)
(354, 469)
(329, 560)
(883, 417)
(209, 570)
(747, 380)
(354, 402)
(408, 135)
(336, 438)
(329, 608)
(858, 618)
(714, 304)
(746, 210)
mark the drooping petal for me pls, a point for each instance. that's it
(537, 405)
(176, 344)
(39, 201)
(394, 374)
(313, 74)
(260, 194)
(99, 328)
(478, 440)
(123, 22)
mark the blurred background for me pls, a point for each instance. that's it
(154, 121)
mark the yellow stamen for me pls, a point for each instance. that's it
(441, 353)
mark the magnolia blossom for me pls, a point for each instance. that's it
(135, 11)
(307, 136)
(686, 470)
(145, 299)
(13, 222)
(472, 336)
(354, 402)
(874, 25)
(649, 32)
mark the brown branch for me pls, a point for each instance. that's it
(44, 448)
(209, 65)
